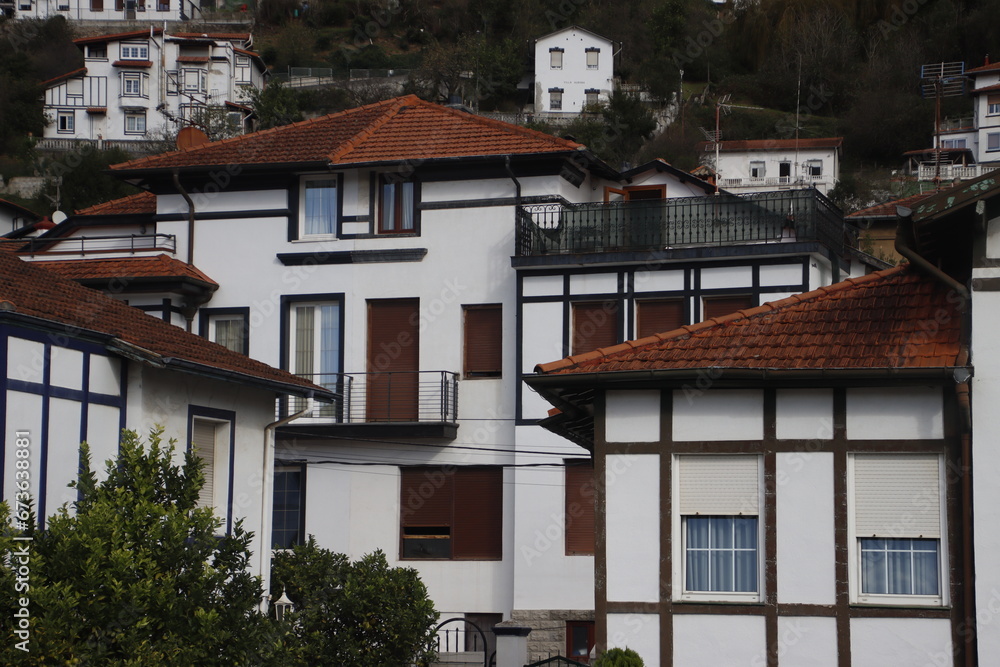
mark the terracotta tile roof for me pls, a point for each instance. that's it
(888, 209)
(132, 63)
(246, 53)
(143, 202)
(878, 321)
(774, 144)
(136, 34)
(192, 59)
(245, 36)
(63, 77)
(160, 266)
(404, 128)
(991, 67)
(987, 89)
(38, 293)
(97, 110)
(18, 208)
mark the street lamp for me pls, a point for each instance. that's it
(282, 605)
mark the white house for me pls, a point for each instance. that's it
(14, 218)
(800, 482)
(81, 366)
(762, 165)
(574, 69)
(155, 11)
(142, 85)
(418, 260)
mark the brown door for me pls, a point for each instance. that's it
(393, 359)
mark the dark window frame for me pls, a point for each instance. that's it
(475, 368)
(300, 468)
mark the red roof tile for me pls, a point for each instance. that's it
(135, 34)
(143, 202)
(774, 144)
(35, 292)
(888, 209)
(404, 128)
(895, 318)
(192, 59)
(992, 67)
(160, 266)
(245, 36)
(62, 77)
(132, 63)
(987, 89)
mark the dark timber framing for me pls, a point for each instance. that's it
(840, 447)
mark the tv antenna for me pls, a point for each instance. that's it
(940, 80)
(722, 107)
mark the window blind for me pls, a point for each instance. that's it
(719, 485)
(897, 495)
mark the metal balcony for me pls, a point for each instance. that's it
(89, 245)
(384, 404)
(649, 225)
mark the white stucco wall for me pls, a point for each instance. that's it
(633, 529)
(713, 640)
(574, 77)
(720, 414)
(902, 413)
(902, 642)
(639, 632)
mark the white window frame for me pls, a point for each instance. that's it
(954, 144)
(193, 81)
(67, 127)
(332, 233)
(135, 51)
(243, 61)
(596, 58)
(816, 165)
(679, 546)
(993, 141)
(135, 116)
(219, 466)
(132, 79)
(992, 109)
(555, 100)
(854, 556)
(90, 52)
(213, 329)
(556, 62)
(317, 366)
(761, 166)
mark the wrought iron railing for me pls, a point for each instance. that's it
(85, 245)
(767, 217)
(388, 397)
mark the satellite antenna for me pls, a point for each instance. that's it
(941, 80)
(58, 216)
(722, 106)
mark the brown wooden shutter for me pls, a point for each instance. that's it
(595, 325)
(717, 306)
(659, 316)
(393, 359)
(483, 341)
(119, 5)
(427, 497)
(478, 529)
(97, 5)
(581, 497)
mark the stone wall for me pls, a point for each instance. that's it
(548, 629)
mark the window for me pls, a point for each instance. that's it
(756, 170)
(163, 5)
(315, 339)
(131, 84)
(555, 99)
(195, 80)
(319, 206)
(97, 5)
(194, 113)
(593, 58)
(211, 438)
(591, 97)
(579, 640)
(814, 168)
(451, 513)
(718, 306)
(97, 51)
(135, 123)
(289, 507)
(659, 316)
(483, 341)
(581, 497)
(243, 61)
(718, 520)
(992, 104)
(897, 521)
(173, 81)
(993, 141)
(555, 58)
(229, 327)
(66, 121)
(396, 214)
(953, 143)
(135, 52)
(24, 6)
(595, 325)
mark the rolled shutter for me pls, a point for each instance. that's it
(897, 495)
(659, 316)
(717, 306)
(993, 99)
(478, 529)
(483, 341)
(203, 442)
(595, 325)
(427, 495)
(581, 499)
(719, 485)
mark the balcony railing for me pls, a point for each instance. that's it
(645, 225)
(952, 171)
(85, 245)
(385, 397)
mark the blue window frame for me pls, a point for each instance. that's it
(288, 513)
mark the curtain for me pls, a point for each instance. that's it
(229, 334)
(388, 207)
(721, 554)
(321, 207)
(329, 353)
(304, 347)
(406, 206)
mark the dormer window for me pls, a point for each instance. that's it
(556, 58)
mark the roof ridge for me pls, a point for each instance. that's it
(64, 76)
(392, 109)
(499, 124)
(144, 193)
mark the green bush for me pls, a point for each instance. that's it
(619, 657)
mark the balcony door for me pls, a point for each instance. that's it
(393, 360)
(639, 222)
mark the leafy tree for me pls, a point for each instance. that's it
(619, 657)
(630, 123)
(84, 181)
(274, 105)
(137, 576)
(362, 614)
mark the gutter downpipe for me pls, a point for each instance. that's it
(963, 396)
(267, 500)
(904, 231)
(517, 184)
(175, 174)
